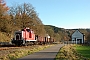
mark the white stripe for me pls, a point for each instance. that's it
(22, 33)
(31, 40)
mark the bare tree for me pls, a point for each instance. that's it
(24, 15)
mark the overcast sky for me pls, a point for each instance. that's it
(61, 13)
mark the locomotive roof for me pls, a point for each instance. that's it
(28, 29)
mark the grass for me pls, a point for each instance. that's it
(83, 50)
(73, 52)
(23, 52)
(66, 53)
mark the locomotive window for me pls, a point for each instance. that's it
(30, 36)
(18, 36)
(23, 30)
(28, 30)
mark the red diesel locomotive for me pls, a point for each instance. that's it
(27, 36)
(23, 37)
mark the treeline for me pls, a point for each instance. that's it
(24, 15)
(18, 17)
(59, 34)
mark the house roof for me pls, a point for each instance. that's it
(79, 31)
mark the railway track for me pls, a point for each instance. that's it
(13, 47)
(7, 48)
(5, 43)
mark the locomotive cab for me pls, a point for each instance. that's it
(18, 35)
(18, 39)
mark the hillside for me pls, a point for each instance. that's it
(58, 34)
(61, 34)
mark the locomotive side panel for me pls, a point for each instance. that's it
(29, 35)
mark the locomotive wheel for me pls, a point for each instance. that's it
(25, 44)
(35, 43)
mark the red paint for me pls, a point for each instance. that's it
(28, 35)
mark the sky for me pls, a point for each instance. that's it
(68, 14)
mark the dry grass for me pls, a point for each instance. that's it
(68, 52)
(18, 53)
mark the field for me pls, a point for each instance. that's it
(83, 50)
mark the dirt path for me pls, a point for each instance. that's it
(47, 54)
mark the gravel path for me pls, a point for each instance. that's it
(47, 54)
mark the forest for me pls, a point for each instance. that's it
(24, 15)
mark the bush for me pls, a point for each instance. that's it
(4, 37)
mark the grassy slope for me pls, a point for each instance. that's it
(83, 50)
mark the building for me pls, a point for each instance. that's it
(78, 37)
